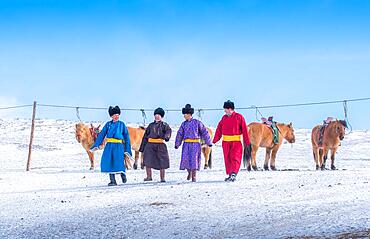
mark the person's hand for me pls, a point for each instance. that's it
(128, 155)
(92, 150)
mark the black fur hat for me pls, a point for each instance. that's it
(188, 109)
(229, 105)
(114, 110)
(159, 111)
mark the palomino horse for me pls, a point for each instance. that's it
(333, 134)
(136, 135)
(87, 136)
(261, 136)
(207, 151)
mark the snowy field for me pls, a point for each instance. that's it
(61, 198)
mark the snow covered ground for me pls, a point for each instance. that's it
(61, 198)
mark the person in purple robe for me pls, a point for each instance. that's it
(191, 132)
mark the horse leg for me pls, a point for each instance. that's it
(206, 157)
(316, 154)
(333, 151)
(273, 158)
(91, 158)
(324, 158)
(254, 157)
(142, 161)
(267, 159)
(136, 159)
(320, 157)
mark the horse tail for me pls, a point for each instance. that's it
(210, 159)
(247, 154)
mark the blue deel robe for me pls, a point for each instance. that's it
(112, 160)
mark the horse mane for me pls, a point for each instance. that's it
(344, 123)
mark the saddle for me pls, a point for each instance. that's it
(320, 136)
(272, 125)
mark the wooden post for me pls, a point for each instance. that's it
(31, 137)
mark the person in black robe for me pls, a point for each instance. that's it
(154, 148)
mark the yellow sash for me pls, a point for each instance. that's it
(156, 141)
(192, 140)
(231, 138)
(113, 140)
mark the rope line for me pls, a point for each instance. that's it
(15, 107)
(217, 109)
(253, 107)
(78, 114)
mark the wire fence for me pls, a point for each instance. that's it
(200, 112)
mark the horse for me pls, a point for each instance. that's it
(136, 136)
(332, 137)
(87, 136)
(261, 136)
(207, 151)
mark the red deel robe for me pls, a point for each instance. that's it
(233, 151)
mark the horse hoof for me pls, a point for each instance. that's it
(205, 166)
(323, 167)
(333, 167)
(255, 168)
(273, 168)
(91, 168)
(317, 167)
(266, 167)
(135, 166)
(142, 166)
(249, 168)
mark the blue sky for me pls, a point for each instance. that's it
(144, 54)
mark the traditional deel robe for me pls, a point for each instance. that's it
(118, 142)
(191, 132)
(153, 146)
(231, 128)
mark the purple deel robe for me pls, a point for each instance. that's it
(191, 152)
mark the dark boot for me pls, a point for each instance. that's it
(124, 178)
(228, 178)
(162, 174)
(194, 175)
(112, 178)
(233, 177)
(148, 174)
(189, 175)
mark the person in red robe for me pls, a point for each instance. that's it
(231, 128)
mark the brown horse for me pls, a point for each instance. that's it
(207, 151)
(136, 135)
(261, 136)
(87, 136)
(333, 134)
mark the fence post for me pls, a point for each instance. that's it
(31, 137)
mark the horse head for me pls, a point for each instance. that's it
(80, 132)
(94, 131)
(340, 128)
(289, 135)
